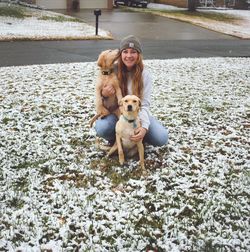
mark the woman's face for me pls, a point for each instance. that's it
(129, 57)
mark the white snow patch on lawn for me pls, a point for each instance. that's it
(157, 6)
(58, 192)
(36, 29)
(241, 28)
(13, 28)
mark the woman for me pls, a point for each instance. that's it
(134, 79)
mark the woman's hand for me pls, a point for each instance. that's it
(108, 90)
(139, 134)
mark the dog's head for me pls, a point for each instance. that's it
(130, 103)
(107, 58)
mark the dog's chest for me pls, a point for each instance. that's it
(126, 132)
(110, 103)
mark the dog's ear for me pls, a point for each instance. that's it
(100, 60)
(118, 54)
(139, 103)
(120, 103)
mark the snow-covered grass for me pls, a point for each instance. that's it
(57, 191)
(36, 24)
(227, 21)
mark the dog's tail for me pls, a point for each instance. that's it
(101, 146)
(93, 119)
(113, 149)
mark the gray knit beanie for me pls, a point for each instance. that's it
(130, 42)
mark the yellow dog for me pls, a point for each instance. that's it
(125, 128)
(107, 76)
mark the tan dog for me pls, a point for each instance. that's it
(106, 76)
(125, 127)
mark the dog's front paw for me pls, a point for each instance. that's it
(104, 112)
(121, 159)
(144, 172)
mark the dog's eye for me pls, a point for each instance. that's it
(126, 101)
(134, 101)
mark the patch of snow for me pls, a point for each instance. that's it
(13, 28)
(34, 28)
(156, 6)
(241, 28)
(57, 190)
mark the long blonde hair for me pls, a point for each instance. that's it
(137, 80)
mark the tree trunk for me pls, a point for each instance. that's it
(191, 5)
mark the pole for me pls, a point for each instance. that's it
(96, 25)
(97, 13)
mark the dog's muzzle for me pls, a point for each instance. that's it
(130, 108)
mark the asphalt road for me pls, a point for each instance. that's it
(27, 53)
(162, 38)
(121, 22)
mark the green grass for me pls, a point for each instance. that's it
(60, 19)
(19, 12)
(208, 15)
(195, 14)
(12, 11)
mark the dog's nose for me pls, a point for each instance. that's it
(130, 107)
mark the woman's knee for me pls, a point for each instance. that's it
(162, 138)
(158, 139)
(157, 134)
(105, 127)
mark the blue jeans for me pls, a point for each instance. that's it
(157, 135)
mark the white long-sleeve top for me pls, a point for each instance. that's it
(146, 99)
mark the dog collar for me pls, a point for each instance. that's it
(130, 121)
(107, 72)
